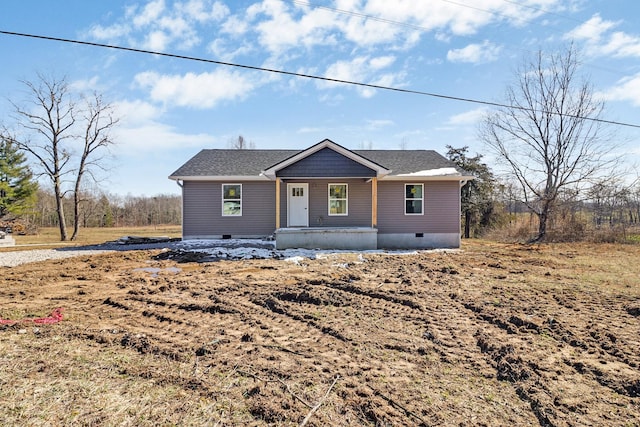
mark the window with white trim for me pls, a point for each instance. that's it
(338, 199)
(413, 199)
(231, 199)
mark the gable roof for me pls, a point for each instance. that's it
(254, 164)
(270, 172)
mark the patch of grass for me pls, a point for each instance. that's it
(77, 382)
(633, 238)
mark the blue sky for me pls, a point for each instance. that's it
(171, 108)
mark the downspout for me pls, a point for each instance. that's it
(278, 180)
(181, 185)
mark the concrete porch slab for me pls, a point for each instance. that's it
(354, 238)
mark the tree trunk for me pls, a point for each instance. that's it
(76, 202)
(60, 211)
(543, 217)
(467, 223)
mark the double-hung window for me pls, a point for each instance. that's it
(413, 199)
(231, 199)
(338, 199)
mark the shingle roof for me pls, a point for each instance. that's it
(407, 161)
(218, 162)
(231, 162)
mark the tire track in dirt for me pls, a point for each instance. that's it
(534, 374)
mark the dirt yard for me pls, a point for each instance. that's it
(491, 335)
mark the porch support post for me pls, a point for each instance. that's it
(374, 202)
(277, 203)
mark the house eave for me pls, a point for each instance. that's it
(407, 178)
(226, 178)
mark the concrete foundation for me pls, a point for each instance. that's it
(419, 241)
(356, 238)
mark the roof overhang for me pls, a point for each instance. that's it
(408, 177)
(226, 178)
(270, 173)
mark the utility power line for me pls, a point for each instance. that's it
(308, 76)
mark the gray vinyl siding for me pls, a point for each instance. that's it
(359, 203)
(441, 208)
(325, 163)
(202, 209)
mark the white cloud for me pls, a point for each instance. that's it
(347, 70)
(150, 13)
(627, 89)
(156, 40)
(235, 26)
(367, 32)
(140, 131)
(622, 45)
(361, 69)
(86, 85)
(475, 53)
(134, 113)
(468, 117)
(278, 29)
(155, 26)
(455, 17)
(601, 41)
(382, 62)
(204, 90)
(223, 50)
(593, 29)
(203, 11)
(112, 32)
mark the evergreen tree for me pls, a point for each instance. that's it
(477, 202)
(17, 186)
(107, 216)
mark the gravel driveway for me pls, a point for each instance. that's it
(14, 258)
(11, 259)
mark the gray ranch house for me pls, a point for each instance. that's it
(325, 196)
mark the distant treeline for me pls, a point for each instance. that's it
(109, 210)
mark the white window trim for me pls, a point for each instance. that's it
(404, 207)
(230, 200)
(346, 199)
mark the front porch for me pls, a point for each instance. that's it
(351, 238)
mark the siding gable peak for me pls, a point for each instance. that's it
(364, 163)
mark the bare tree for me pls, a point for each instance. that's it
(365, 145)
(50, 124)
(241, 143)
(98, 120)
(46, 121)
(550, 135)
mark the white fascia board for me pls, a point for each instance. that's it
(314, 178)
(221, 178)
(427, 178)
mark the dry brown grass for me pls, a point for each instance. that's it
(50, 237)
(524, 227)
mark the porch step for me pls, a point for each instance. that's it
(352, 238)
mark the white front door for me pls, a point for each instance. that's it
(298, 205)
